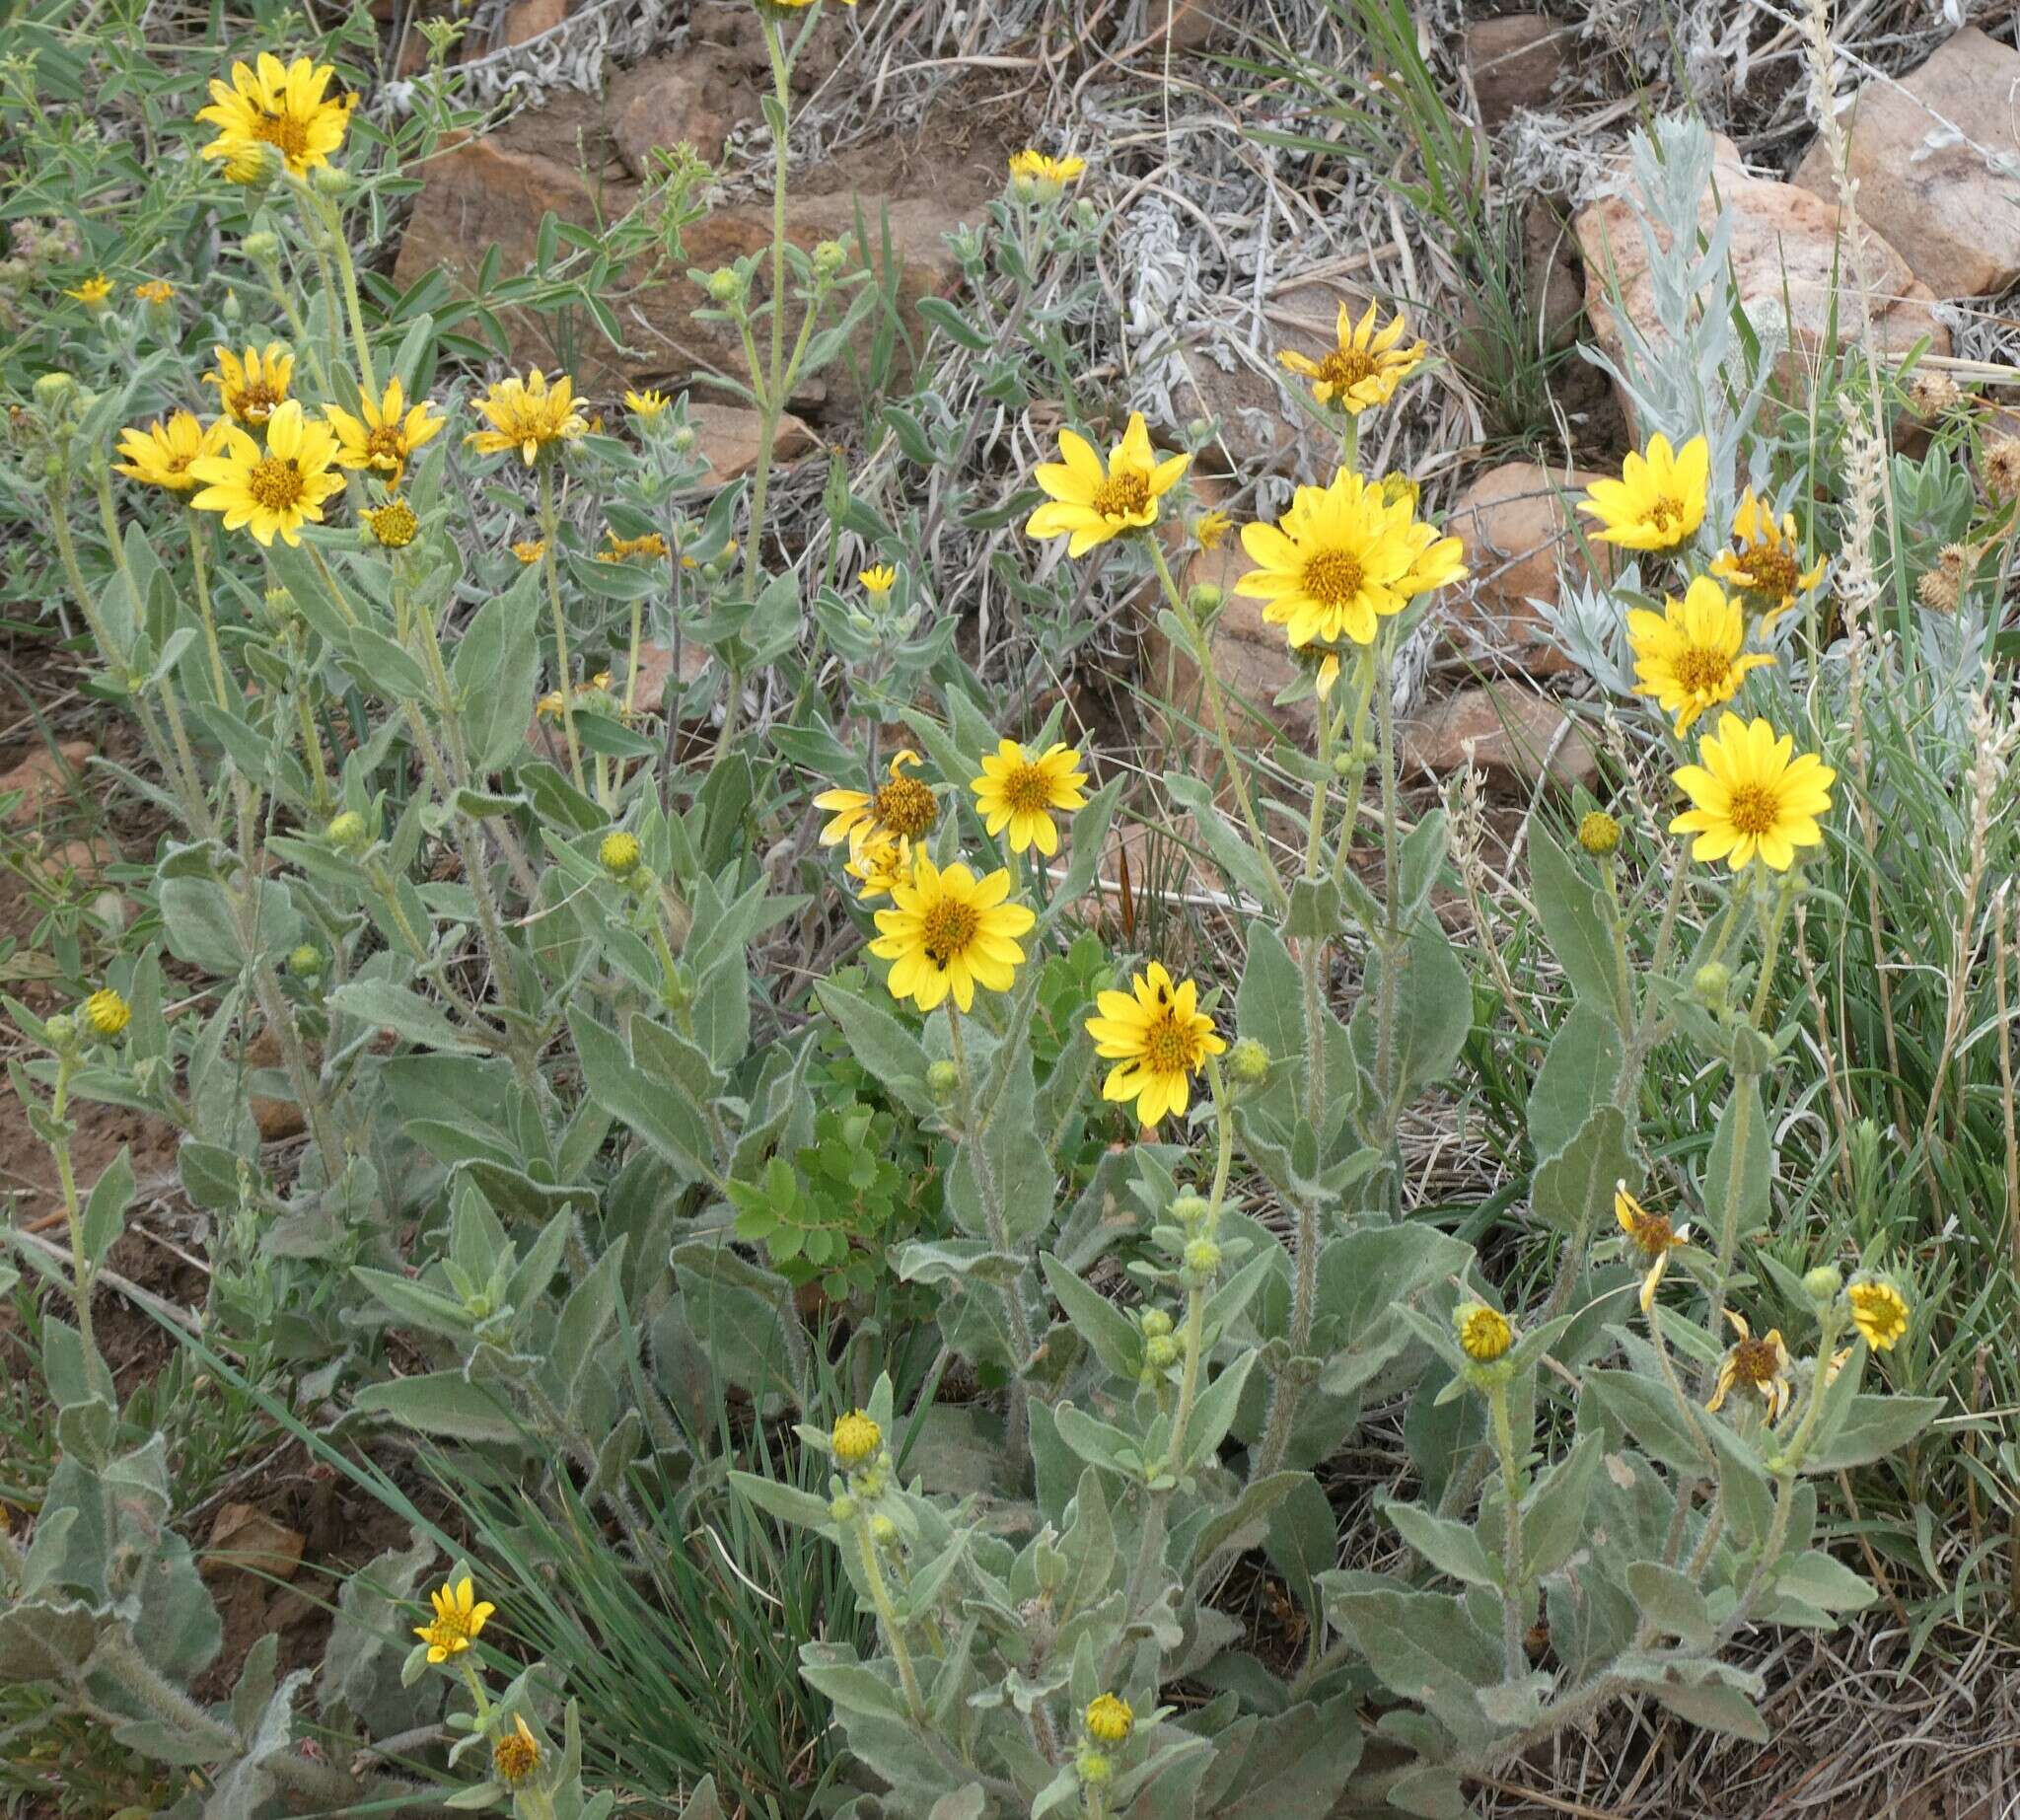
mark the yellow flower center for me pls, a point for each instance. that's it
(394, 525)
(1345, 367)
(1756, 1363)
(384, 446)
(451, 1632)
(1168, 1044)
(276, 484)
(1122, 494)
(1754, 809)
(256, 401)
(1027, 790)
(1333, 577)
(1701, 669)
(514, 1758)
(1773, 570)
(906, 807)
(286, 134)
(948, 929)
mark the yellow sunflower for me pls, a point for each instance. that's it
(1344, 557)
(1485, 1335)
(647, 407)
(282, 105)
(93, 292)
(878, 579)
(1765, 561)
(530, 550)
(1651, 1235)
(1760, 1366)
(1686, 658)
(882, 860)
(1158, 1038)
(155, 291)
(459, 1617)
(384, 439)
(1364, 367)
(1018, 791)
(1879, 1311)
(949, 931)
(274, 490)
(901, 805)
(1090, 501)
(1750, 796)
(526, 415)
(1039, 177)
(161, 455)
(1659, 500)
(254, 389)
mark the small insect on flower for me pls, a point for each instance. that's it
(1021, 791)
(285, 105)
(1687, 657)
(1109, 1719)
(515, 1756)
(1341, 560)
(1158, 1038)
(1750, 796)
(1659, 500)
(528, 416)
(459, 1617)
(531, 550)
(901, 805)
(155, 291)
(251, 390)
(878, 579)
(394, 525)
(1089, 501)
(620, 854)
(647, 407)
(855, 1440)
(1485, 1335)
(1760, 1366)
(1651, 1235)
(106, 1013)
(1365, 364)
(1764, 563)
(272, 490)
(949, 932)
(1879, 1311)
(383, 438)
(162, 454)
(1038, 178)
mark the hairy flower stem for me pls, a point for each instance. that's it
(550, 568)
(59, 1148)
(203, 607)
(974, 1137)
(348, 274)
(1514, 1624)
(1202, 652)
(887, 1614)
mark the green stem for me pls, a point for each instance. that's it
(332, 222)
(887, 1614)
(550, 565)
(59, 1147)
(771, 381)
(1514, 1626)
(197, 539)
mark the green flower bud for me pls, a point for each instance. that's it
(1205, 599)
(52, 389)
(1248, 1062)
(883, 1530)
(1161, 1352)
(231, 309)
(943, 1081)
(620, 854)
(61, 1031)
(346, 831)
(843, 1509)
(306, 962)
(1710, 985)
(1823, 1284)
(1599, 834)
(330, 180)
(1155, 1322)
(1188, 1210)
(829, 257)
(262, 248)
(683, 439)
(1203, 1257)
(1092, 1767)
(725, 284)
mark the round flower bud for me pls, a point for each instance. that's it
(620, 854)
(1160, 1351)
(106, 1013)
(61, 1031)
(683, 439)
(1599, 834)
(1092, 1767)
(1190, 1210)
(1155, 1322)
(52, 389)
(855, 1440)
(1823, 1284)
(1484, 1334)
(1248, 1062)
(306, 962)
(1710, 984)
(331, 179)
(829, 257)
(1109, 1719)
(262, 248)
(943, 1081)
(347, 831)
(725, 285)
(884, 1530)
(843, 1509)
(231, 309)
(1206, 598)
(1203, 1257)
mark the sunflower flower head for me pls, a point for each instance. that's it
(878, 580)
(1650, 1234)
(857, 1441)
(647, 407)
(1759, 1365)
(948, 932)
(1485, 1335)
(1019, 791)
(530, 550)
(1343, 559)
(162, 454)
(1158, 1038)
(1109, 1719)
(252, 389)
(284, 106)
(1751, 793)
(515, 1756)
(528, 416)
(902, 805)
(1366, 363)
(882, 861)
(1037, 177)
(459, 1617)
(106, 1013)
(1089, 501)
(1765, 560)
(393, 526)
(93, 292)
(155, 291)
(385, 434)
(1879, 1311)
(1687, 657)
(1210, 529)
(274, 490)
(1659, 500)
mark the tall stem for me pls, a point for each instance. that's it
(770, 384)
(333, 223)
(887, 1613)
(1514, 1621)
(59, 1148)
(550, 565)
(200, 564)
